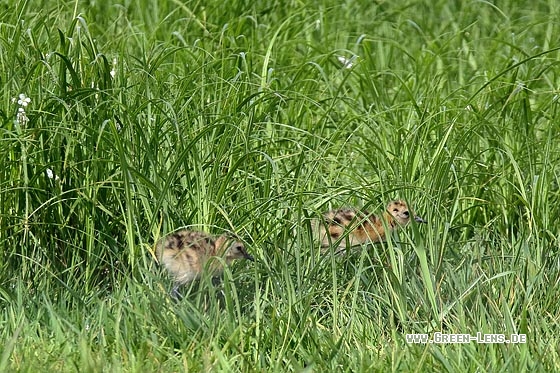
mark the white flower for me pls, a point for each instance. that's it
(113, 71)
(346, 62)
(51, 175)
(21, 117)
(23, 100)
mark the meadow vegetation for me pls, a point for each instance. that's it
(140, 117)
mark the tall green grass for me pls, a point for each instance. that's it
(150, 116)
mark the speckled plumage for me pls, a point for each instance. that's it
(185, 254)
(347, 227)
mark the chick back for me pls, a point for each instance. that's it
(359, 226)
(184, 254)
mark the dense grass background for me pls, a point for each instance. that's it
(239, 116)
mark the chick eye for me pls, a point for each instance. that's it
(406, 213)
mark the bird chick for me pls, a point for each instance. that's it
(185, 255)
(361, 227)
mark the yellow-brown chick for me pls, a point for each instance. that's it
(185, 254)
(347, 227)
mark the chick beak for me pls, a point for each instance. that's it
(249, 257)
(418, 219)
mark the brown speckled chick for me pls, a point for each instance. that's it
(348, 227)
(185, 254)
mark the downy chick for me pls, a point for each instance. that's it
(185, 254)
(362, 227)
